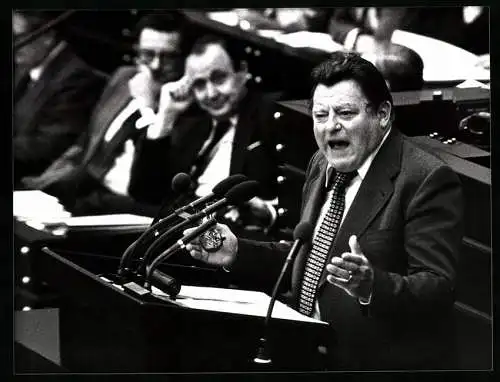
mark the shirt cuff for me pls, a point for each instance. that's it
(148, 117)
(351, 38)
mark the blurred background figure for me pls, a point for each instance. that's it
(93, 176)
(401, 67)
(232, 135)
(53, 94)
(285, 19)
(465, 27)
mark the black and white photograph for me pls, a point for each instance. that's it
(251, 190)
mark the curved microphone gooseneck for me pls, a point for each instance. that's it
(180, 244)
(301, 234)
(236, 195)
(154, 230)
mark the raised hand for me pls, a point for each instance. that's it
(352, 271)
(175, 97)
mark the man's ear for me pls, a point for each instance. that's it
(384, 114)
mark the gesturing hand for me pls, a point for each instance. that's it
(352, 271)
(222, 257)
(175, 97)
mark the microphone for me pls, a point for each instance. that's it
(219, 190)
(154, 230)
(165, 282)
(301, 234)
(180, 184)
(180, 244)
(236, 195)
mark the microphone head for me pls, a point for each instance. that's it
(303, 231)
(225, 185)
(242, 192)
(181, 182)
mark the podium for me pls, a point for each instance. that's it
(104, 328)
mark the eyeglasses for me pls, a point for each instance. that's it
(147, 56)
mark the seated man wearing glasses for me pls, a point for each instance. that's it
(93, 176)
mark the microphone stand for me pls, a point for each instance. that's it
(263, 356)
(174, 248)
(301, 233)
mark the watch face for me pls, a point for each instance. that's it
(211, 240)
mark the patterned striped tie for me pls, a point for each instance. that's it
(322, 242)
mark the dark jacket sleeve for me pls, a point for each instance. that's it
(258, 264)
(432, 241)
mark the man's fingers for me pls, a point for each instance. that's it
(344, 264)
(353, 258)
(354, 245)
(338, 281)
(338, 272)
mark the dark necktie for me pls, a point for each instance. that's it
(322, 242)
(206, 154)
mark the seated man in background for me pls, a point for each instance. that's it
(233, 136)
(388, 217)
(286, 19)
(53, 94)
(93, 175)
(401, 67)
(357, 27)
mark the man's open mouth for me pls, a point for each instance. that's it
(338, 144)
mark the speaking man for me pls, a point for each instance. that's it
(381, 266)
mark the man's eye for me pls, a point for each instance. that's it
(320, 116)
(346, 113)
(218, 77)
(198, 85)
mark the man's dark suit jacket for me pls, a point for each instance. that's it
(158, 161)
(407, 215)
(67, 179)
(51, 114)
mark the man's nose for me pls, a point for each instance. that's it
(211, 90)
(155, 63)
(333, 125)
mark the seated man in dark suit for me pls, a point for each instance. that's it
(54, 93)
(233, 136)
(93, 175)
(387, 219)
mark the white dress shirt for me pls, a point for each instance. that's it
(117, 179)
(350, 194)
(220, 162)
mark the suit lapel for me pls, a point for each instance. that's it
(375, 191)
(244, 130)
(103, 118)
